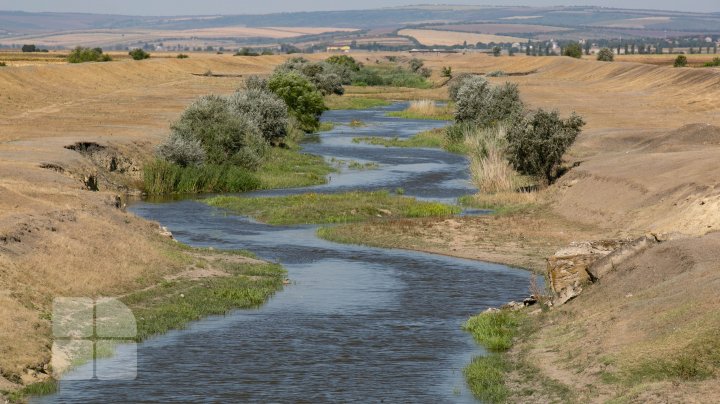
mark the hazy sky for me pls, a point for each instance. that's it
(174, 7)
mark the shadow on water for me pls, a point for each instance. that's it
(357, 324)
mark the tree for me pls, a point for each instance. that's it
(496, 51)
(573, 50)
(226, 137)
(139, 54)
(266, 109)
(303, 99)
(588, 45)
(538, 141)
(82, 55)
(605, 55)
(345, 61)
(680, 61)
(477, 102)
(29, 48)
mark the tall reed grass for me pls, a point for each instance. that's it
(162, 177)
(490, 170)
(425, 109)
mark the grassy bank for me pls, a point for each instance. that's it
(215, 283)
(282, 168)
(331, 208)
(495, 331)
(336, 102)
(434, 138)
(425, 109)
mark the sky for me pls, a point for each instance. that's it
(208, 7)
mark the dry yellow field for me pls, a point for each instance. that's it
(431, 37)
(110, 37)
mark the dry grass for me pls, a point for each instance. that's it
(425, 109)
(490, 170)
(448, 38)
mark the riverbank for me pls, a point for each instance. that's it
(634, 175)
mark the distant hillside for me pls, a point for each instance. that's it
(57, 30)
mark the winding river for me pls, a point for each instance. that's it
(356, 324)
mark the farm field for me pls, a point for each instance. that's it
(499, 29)
(448, 38)
(100, 38)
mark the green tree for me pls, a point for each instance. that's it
(303, 99)
(496, 51)
(680, 61)
(573, 50)
(139, 54)
(82, 55)
(344, 61)
(605, 55)
(226, 137)
(538, 141)
(29, 48)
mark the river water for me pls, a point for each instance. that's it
(356, 324)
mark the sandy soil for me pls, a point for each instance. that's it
(640, 169)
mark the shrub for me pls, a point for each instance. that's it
(425, 72)
(325, 77)
(680, 61)
(303, 99)
(344, 61)
(456, 83)
(246, 52)
(574, 50)
(329, 84)
(714, 63)
(415, 64)
(182, 56)
(497, 51)
(256, 83)
(29, 48)
(3, 64)
(605, 55)
(478, 102)
(447, 71)
(139, 54)
(266, 109)
(82, 55)
(226, 136)
(538, 141)
(181, 151)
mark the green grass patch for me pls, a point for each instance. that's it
(485, 377)
(162, 177)
(36, 389)
(331, 208)
(445, 116)
(434, 138)
(172, 304)
(495, 330)
(326, 126)
(389, 75)
(288, 168)
(336, 102)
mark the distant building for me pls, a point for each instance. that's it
(341, 48)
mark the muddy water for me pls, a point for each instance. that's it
(357, 324)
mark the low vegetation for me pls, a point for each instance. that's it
(82, 55)
(681, 61)
(139, 54)
(606, 55)
(174, 303)
(335, 102)
(434, 138)
(331, 208)
(425, 109)
(495, 331)
(573, 50)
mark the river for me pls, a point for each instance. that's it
(356, 323)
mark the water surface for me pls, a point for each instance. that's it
(357, 323)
